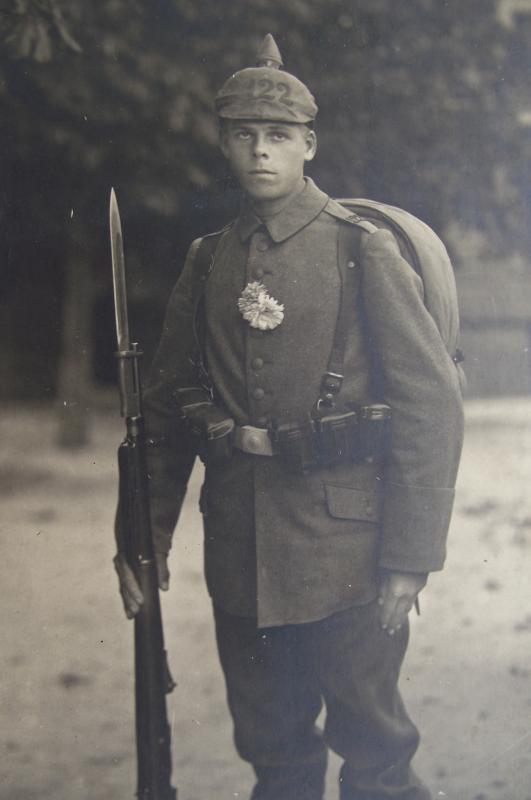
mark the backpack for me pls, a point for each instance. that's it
(424, 251)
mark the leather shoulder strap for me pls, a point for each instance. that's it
(204, 256)
(204, 259)
(349, 238)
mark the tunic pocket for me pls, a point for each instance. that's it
(345, 502)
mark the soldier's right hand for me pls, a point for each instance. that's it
(130, 590)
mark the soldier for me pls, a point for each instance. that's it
(315, 548)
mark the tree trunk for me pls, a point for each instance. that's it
(74, 381)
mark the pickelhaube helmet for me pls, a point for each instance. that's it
(265, 92)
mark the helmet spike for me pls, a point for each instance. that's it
(268, 54)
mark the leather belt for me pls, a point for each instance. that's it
(253, 440)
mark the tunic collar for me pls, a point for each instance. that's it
(305, 207)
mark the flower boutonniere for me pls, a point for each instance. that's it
(260, 309)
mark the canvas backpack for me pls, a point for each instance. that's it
(425, 252)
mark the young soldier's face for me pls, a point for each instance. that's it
(267, 158)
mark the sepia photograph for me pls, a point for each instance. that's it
(265, 400)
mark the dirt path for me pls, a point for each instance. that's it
(66, 663)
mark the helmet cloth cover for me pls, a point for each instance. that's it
(266, 92)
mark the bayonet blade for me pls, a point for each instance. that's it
(118, 276)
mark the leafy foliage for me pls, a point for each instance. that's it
(29, 27)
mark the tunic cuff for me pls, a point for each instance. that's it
(415, 524)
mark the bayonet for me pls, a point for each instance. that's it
(118, 275)
(128, 354)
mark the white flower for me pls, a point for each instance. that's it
(260, 309)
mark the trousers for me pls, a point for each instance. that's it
(277, 680)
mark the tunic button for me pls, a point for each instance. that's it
(351, 264)
(257, 363)
(258, 394)
(259, 272)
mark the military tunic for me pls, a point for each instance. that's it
(296, 548)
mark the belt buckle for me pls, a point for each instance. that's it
(256, 440)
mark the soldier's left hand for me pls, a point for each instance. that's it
(398, 592)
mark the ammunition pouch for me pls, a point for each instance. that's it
(349, 437)
(210, 426)
(297, 445)
(339, 438)
(375, 431)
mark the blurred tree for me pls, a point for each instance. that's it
(420, 104)
(29, 26)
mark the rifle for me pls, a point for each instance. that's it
(152, 677)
